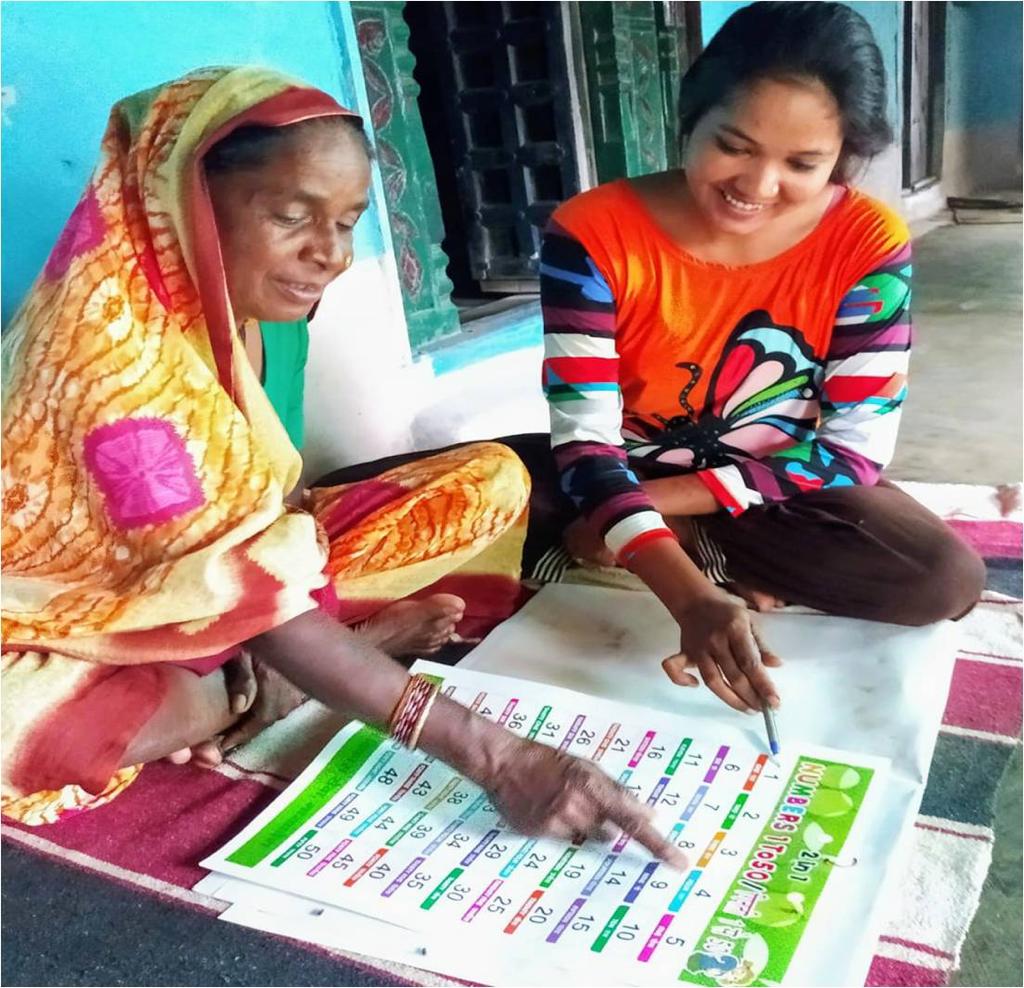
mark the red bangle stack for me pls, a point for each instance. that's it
(411, 711)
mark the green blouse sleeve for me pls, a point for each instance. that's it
(285, 349)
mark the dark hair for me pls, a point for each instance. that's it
(253, 145)
(828, 42)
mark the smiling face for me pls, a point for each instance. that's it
(767, 153)
(286, 227)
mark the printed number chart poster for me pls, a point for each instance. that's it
(399, 837)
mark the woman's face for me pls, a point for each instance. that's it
(766, 153)
(286, 228)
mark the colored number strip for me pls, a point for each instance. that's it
(292, 848)
(376, 768)
(658, 934)
(609, 928)
(606, 742)
(328, 858)
(716, 763)
(479, 849)
(402, 876)
(372, 860)
(409, 783)
(405, 828)
(448, 789)
(470, 914)
(370, 820)
(556, 870)
(545, 712)
(570, 735)
(684, 747)
(335, 810)
(524, 910)
(563, 924)
(442, 887)
(641, 749)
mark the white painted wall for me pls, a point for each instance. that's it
(366, 397)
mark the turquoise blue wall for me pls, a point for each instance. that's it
(65, 64)
(983, 66)
(885, 18)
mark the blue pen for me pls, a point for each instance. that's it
(769, 726)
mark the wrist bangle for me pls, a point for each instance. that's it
(421, 721)
(411, 711)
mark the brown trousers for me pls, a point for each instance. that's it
(864, 552)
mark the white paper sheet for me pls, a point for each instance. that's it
(872, 688)
(615, 892)
(869, 687)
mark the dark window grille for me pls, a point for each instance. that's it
(506, 136)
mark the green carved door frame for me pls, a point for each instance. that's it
(407, 172)
(633, 55)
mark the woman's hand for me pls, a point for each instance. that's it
(545, 792)
(584, 543)
(718, 638)
(273, 698)
(537, 789)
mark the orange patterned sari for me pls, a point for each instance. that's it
(145, 472)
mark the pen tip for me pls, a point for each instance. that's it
(775, 747)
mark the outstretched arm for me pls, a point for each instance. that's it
(537, 789)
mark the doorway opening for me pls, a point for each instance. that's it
(924, 66)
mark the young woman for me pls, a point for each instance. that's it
(726, 352)
(146, 534)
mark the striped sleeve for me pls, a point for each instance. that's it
(864, 386)
(581, 383)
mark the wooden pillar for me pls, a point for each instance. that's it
(410, 187)
(633, 53)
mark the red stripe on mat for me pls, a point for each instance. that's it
(888, 973)
(164, 824)
(954, 833)
(994, 539)
(922, 947)
(991, 655)
(984, 696)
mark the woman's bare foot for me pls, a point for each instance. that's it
(414, 627)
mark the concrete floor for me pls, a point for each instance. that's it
(962, 419)
(962, 424)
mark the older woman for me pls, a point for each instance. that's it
(146, 534)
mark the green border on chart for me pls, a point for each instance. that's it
(332, 778)
(344, 764)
